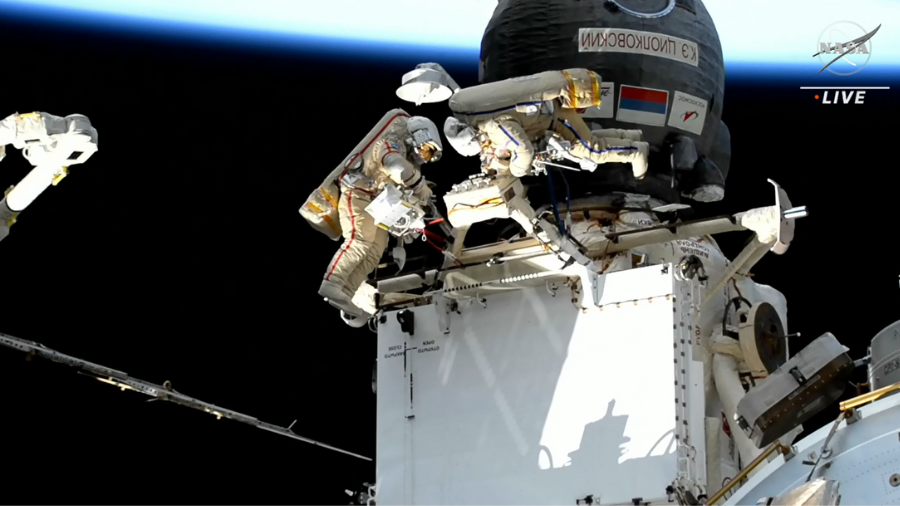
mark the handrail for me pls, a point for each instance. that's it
(750, 467)
(869, 397)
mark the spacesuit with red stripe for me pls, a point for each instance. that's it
(389, 160)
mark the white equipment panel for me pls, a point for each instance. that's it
(530, 400)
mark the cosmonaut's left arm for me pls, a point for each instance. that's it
(392, 156)
(391, 153)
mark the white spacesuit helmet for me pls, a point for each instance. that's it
(462, 137)
(425, 140)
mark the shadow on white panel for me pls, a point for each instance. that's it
(527, 401)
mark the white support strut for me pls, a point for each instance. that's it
(773, 226)
(162, 392)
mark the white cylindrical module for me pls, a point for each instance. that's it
(7, 218)
(32, 185)
(884, 368)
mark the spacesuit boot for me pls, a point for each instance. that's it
(335, 295)
(618, 133)
(354, 321)
(640, 160)
(615, 150)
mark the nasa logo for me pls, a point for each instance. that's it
(849, 56)
(688, 113)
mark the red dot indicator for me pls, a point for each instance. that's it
(817, 97)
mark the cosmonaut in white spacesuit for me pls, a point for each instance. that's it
(394, 154)
(506, 136)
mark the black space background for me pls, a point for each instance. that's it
(177, 253)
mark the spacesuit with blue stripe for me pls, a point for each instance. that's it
(508, 137)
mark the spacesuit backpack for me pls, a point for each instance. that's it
(321, 210)
(573, 88)
(321, 207)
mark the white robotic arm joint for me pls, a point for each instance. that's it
(48, 139)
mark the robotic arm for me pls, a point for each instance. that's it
(50, 143)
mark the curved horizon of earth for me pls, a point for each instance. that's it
(153, 19)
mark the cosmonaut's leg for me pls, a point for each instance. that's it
(572, 128)
(373, 252)
(618, 133)
(360, 236)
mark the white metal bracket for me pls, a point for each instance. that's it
(444, 308)
(370, 501)
(787, 213)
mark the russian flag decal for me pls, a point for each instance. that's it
(643, 105)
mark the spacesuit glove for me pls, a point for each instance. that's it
(538, 168)
(587, 165)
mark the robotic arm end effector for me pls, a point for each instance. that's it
(48, 139)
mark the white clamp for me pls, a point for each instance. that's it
(774, 224)
(787, 214)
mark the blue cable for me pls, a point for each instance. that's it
(559, 223)
(568, 191)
